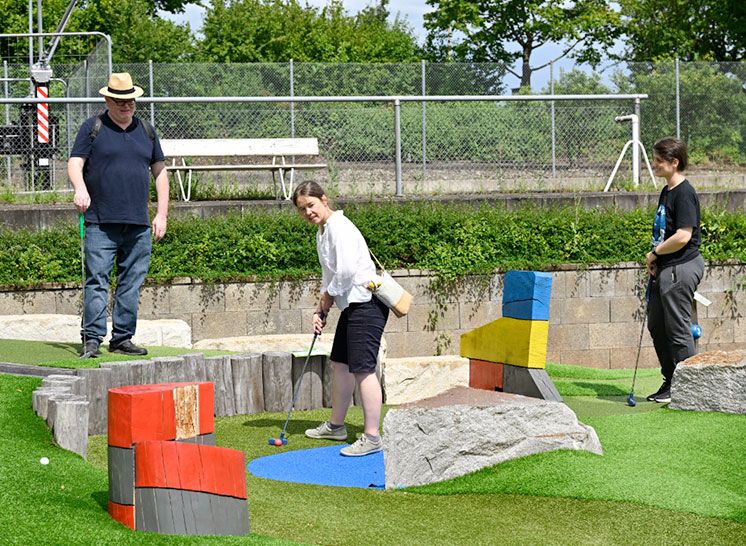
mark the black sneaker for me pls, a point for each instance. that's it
(90, 349)
(127, 348)
(666, 387)
(663, 397)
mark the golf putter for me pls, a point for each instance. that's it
(281, 441)
(81, 225)
(631, 402)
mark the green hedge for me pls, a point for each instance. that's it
(451, 240)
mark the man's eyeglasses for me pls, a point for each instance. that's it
(122, 102)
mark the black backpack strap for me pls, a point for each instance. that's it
(149, 130)
(96, 127)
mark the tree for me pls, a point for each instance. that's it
(483, 30)
(280, 30)
(688, 29)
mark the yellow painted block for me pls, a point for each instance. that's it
(509, 341)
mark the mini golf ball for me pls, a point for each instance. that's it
(44, 460)
(278, 442)
(696, 331)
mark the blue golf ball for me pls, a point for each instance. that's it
(696, 331)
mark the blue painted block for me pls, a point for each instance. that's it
(526, 295)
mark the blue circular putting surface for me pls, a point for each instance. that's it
(322, 466)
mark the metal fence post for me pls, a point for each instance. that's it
(397, 145)
(636, 143)
(152, 104)
(554, 132)
(87, 87)
(7, 111)
(678, 100)
(292, 104)
(424, 124)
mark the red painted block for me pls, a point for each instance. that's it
(123, 513)
(485, 375)
(206, 407)
(140, 413)
(194, 467)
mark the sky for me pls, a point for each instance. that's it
(413, 11)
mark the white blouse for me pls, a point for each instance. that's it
(346, 265)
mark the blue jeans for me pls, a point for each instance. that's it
(129, 247)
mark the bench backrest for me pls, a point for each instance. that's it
(222, 147)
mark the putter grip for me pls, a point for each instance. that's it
(81, 224)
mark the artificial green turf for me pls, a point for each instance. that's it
(65, 501)
(693, 461)
(66, 355)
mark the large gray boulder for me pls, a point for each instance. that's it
(463, 430)
(712, 381)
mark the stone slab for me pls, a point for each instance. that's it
(463, 430)
(66, 329)
(711, 381)
(410, 379)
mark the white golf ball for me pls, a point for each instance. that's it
(44, 460)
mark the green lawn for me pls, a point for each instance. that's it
(66, 355)
(666, 477)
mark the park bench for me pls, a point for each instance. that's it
(283, 151)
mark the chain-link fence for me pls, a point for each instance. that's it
(445, 145)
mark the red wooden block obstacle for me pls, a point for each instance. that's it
(165, 473)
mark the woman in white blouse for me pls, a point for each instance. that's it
(346, 267)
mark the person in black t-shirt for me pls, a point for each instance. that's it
(110, 167)
(674, 263)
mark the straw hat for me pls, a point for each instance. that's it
(120, 87)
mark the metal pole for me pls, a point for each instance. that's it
(41, 29)
(31, 43)
(292, 103)
(152, 104)
(397, 145)
(678, 100)
(87, 87)
(636, 145)
(7, 112)
(554, 132)
(424, 124)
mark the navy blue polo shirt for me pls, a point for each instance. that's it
(117, 170)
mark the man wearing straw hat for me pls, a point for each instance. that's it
(109, 167)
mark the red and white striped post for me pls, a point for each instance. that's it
(42, 114)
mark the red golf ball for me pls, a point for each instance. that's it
(278, 442)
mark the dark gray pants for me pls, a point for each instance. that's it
(670, 313)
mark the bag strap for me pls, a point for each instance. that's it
(376, 260)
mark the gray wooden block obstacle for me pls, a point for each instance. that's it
(277, 371)
(534, 382)
(219, 372)
(97, 388)
(248, 383)
(244, 384)
(201, 513)
(170, 369)
(69, 427)
(310, 389)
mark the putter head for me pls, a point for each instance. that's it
(87, 354)
(631, 400)
(281, 441)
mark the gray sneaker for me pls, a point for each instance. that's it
(325, 432)
(363, 446)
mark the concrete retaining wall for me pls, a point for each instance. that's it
(595, 313)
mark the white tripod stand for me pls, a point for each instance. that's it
(636, 147)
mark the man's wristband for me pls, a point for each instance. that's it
(654, 253)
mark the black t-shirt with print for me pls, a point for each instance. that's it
(681, 209)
